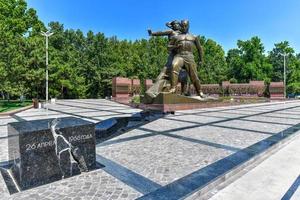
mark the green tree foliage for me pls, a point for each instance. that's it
(214, 69)
(248, 61)
(276, 59)
(292, 66)
(17, 27)
(293, 75)
(83, 65)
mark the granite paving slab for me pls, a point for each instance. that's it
(164, 153)
(226, 137)
(92, 185)
(172, 147)
(3, 150)
(258, 127)
(160, 158)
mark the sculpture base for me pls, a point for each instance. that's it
(168, 102)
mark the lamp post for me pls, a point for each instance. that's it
(284, 72)
(47, 35)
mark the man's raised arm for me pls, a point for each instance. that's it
(160, 33)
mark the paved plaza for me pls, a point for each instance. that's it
(160, 158)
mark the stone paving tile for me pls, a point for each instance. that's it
(3, 150)
(4, 121)
(105, 105)
(254, 126)
(131, 135)
(226, 107)
(160, 158)
(283, 116)
(92, 185)
(165, 125)
(221, 114)
(95, 113)
(3, 131)
(69, 109)
(97, 109)
(4, 194)
(240, 112)
(295, 110)
(289, 113)
(198, 118)
(266, 119)
(232, 138)
(289, 107)
(36, 113)
(264, 109)
(254, 108)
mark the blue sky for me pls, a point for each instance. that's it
(225, 21)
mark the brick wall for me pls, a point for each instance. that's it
(124, 88)
(121, 87)
(276, 90)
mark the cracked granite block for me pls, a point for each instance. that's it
(36, 158)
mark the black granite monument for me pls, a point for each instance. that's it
(44, 151)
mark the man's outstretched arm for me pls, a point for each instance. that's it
(160, 33)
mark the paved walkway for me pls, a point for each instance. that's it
(278, 177)
(157, 158)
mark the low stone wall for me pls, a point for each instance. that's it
(276, 90)
(121, 87)
(125, 88)
(135, 87)
(254, 88)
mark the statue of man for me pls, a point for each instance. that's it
(165, 74)
(184, 57)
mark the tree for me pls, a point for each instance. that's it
(17, 23)
(276, 59)
(250, 61)
(292, 66)
(215, 68)
(235, 64)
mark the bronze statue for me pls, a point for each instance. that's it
(184, 57)
(180, 61)
(165, 74)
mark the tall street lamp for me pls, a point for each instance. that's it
(284, 72)
(47, 35)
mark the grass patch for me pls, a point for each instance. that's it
(6, 106)
(136, 99)
(225, 98)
